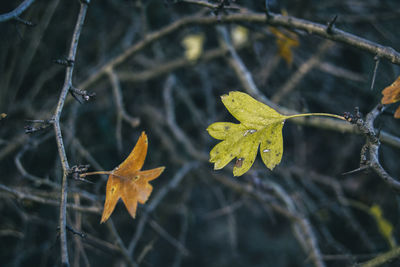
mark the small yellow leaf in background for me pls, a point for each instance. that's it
(286, 41)
(3, 115)
(391, 94)
(240, 35)
(260, 126)
(384, 226)
(193, 44)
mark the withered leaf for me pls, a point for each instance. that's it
(391, 94)
(128, 182)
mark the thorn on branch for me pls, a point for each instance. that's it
(64, 62)
(331, 25)
(360, 169)
(221, 6)
(25, 22)
(377, 59)
(267, 13)
(72, 230)
(76, 172)
(37, 125)
(81, 95)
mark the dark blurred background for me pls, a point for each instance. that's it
(195, 216)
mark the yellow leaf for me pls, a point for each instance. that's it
(259, 124)
(384, 226)
(2, 115)
(240, 35)
(260, 127)
(193, 44)
(285, 41)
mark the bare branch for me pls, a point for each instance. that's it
(275, 20)
(370, 151)
(60, 144)
(16, 12)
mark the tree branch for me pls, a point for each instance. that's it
(275, 20)
(60, 144)
(16, 12)
(370, 151)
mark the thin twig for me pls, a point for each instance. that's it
(240, 68)
(301, 72)
(25, 196)
(173, 241)
(181, 137)
(121, 112)
(120, 243)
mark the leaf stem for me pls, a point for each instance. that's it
(94, 173)
(316, 114)
(82, 175)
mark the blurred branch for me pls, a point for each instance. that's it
(155, 201)
(382, 258)
(244, 75)
(173, 126)
(302, 71)
(275, 20)
(17, 11)
(301, 226)
(210, 5)
(170, 239)
(124, 250)
(121, 112)
(31, 197)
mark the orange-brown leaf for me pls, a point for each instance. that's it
(129, 183)
(391, 94)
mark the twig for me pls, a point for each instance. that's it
(121, 112)
(173, 241)
(240, 69)
(25, 196)
(60, 145)
(173, 126)
(124, 250)
(17, 11)
(301, 226)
